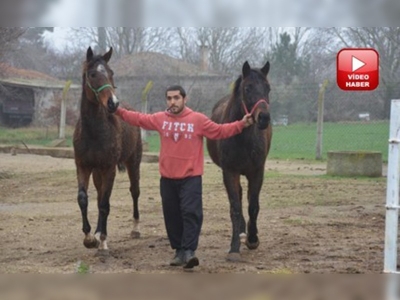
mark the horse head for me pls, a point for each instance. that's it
(98, 80)
(255, 90)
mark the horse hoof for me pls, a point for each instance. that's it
(91, 243)
(135, 234)
(234, 257)
(102, 253)
(252, 246)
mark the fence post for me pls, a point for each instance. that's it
(63, 115)
(392, 201)
(320, 119)
(145, 96)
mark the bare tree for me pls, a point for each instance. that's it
(68, 66)
(228, 47)
(8, 42)
(128, 40)
(30, 51)
(8, 39)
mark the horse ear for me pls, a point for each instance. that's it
(265, 69)
(107, 56)
(89, 54)
(246, 69)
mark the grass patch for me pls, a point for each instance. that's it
(297, 141)
(82, 268)
(42, 136)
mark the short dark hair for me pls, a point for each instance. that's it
(176, 88)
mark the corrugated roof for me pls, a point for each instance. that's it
(154, 64)
(28, 78)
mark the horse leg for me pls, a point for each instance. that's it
(242, 234)
(232, 185)
(134, 176)
(103, 180)
(255, 183)
(83, 201)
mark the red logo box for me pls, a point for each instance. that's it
(357, 69)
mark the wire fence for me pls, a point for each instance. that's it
(353, 121)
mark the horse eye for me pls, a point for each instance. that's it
(93, 75)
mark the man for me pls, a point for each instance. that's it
(181, 167)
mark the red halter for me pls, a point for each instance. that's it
(255, 106)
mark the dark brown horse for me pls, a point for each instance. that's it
(102, 141)
(245, 153)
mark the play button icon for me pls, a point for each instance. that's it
(357, 69)
(356, 64)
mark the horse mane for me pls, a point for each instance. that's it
(233, 108)
(237, 86)
(84, 70)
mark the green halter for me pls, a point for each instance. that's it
(98, 90)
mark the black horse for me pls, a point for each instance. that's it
(245, 153)
(102, 141)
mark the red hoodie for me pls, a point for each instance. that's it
(181, 152)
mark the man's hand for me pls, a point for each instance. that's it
(248, 120)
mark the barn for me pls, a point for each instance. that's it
(28, 97)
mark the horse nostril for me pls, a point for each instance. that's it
(111, 105)
(263, 121)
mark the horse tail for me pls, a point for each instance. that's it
(121, 167)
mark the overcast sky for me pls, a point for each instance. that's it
(59, 39)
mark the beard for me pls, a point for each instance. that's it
(175, 109)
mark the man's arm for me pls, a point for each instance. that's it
(216, 131)
(146, 121)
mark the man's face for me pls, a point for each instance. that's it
(175, 102)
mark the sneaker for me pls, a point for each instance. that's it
(178, 259)
(190, 259)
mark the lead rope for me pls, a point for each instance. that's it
(255, 106)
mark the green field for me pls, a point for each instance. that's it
(298, 141)
(295, 141)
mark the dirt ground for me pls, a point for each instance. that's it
(308, 222)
